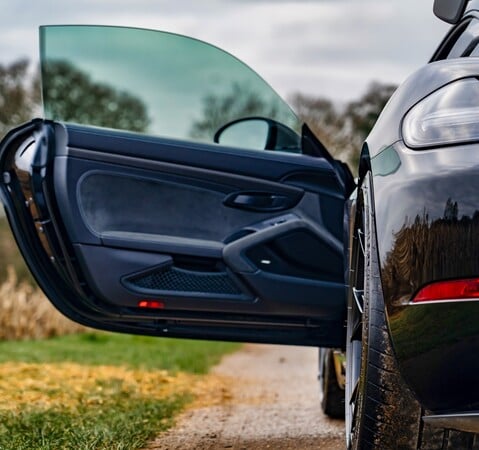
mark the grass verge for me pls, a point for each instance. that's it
(97, 390)
(121, 423)
(140, 352)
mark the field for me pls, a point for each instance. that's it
(65, 386)
(97, 390)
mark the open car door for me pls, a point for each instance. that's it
(169, 191)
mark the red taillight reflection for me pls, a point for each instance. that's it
(449, 290)
(151, 304)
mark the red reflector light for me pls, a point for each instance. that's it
(449, 290)
(150, 304)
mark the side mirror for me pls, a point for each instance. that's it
(450, 11)
(258, 133)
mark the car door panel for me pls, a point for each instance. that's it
(177, 196)
(139, 228)
(180, 211)
(112, 198)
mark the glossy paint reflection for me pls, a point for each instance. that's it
(428, 230)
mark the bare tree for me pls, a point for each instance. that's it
(343, 129)
(364, 112)
(239, 102)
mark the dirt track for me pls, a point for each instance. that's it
(272, 403)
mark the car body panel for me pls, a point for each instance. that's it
(427, 229)
(114, 224)
(419, 85)
(426, 213)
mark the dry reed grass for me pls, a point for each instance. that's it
(25, 312)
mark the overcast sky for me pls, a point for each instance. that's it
(330, 48)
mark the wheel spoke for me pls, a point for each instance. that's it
(357, 331)
(361, 241)
(354, 394)
(359, 298)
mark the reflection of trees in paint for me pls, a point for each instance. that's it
(426, 251)
(238, 103)
(70, 95)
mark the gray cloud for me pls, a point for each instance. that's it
(321, 47)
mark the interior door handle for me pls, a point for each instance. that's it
(259, 201)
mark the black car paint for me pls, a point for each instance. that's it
(427, 221)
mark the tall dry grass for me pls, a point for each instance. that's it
(25, 312)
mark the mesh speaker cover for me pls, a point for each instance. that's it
(175, 279)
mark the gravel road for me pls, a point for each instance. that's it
(272, 403)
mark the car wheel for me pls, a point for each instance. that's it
(332, 395)
(381, 412)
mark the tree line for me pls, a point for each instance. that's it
(342, 128)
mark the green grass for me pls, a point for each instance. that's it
(141, 352)
(111, 413)
(121, 423)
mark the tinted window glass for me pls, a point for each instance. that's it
(153, 83)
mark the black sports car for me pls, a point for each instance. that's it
(169, 191)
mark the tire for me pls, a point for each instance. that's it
(381, 412)
(332, 396)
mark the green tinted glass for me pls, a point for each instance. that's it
(150, 82)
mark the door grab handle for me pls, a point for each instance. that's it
(259, 201)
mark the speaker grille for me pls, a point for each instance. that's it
(175, 279)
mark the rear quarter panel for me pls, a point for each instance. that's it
(427, 218)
